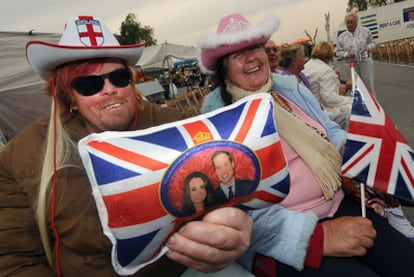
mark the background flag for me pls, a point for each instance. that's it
(375, 152)
(137, 177)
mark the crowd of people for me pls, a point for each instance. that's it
(50, 224)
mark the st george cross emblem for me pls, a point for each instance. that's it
(90, 32)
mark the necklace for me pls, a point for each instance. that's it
(285, 105)
(282, 102)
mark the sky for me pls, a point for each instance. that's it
(176, 21)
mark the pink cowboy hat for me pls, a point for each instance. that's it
(84, 37)
(234, 33)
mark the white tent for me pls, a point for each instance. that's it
(21, 99)
(162, 55)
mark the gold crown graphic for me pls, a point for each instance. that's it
(202, 137)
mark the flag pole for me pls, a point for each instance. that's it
(361, 185)
(351, 65)
(363, 209)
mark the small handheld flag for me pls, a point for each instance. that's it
(375, 152)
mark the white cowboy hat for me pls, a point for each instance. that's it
(234, 33)
(84, 37)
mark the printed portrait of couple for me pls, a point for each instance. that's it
(209, 175)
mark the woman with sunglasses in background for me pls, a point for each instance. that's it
(49, 219)
(273, 53)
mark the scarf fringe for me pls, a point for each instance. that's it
(319, 154)
(325, 172)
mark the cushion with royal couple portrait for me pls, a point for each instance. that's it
(147, 183)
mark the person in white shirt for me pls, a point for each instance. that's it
(356, 45)
(326, 85)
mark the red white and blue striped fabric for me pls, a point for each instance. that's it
(137, 176)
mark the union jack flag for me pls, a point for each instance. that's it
(375, 152)
(137, 177)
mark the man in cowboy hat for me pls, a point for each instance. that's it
(50, 223)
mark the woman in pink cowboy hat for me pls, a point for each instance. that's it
(343, 243)
(49, 219)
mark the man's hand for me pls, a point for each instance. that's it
(348, 236)
(213, 243)
(342, 89)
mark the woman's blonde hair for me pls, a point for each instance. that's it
(324, 51)
(66, 148)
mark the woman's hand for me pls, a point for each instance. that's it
(213, 243)
(348, 236)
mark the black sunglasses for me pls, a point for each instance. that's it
(92, 84)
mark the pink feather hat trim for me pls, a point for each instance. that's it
(234, 33)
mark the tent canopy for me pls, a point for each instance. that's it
(163, 55)
(21, 97)
(184, 63)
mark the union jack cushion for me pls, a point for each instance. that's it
(138, 177)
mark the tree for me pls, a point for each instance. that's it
(359, 5)
(132, 32)
(378, 3)
(362, 5)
